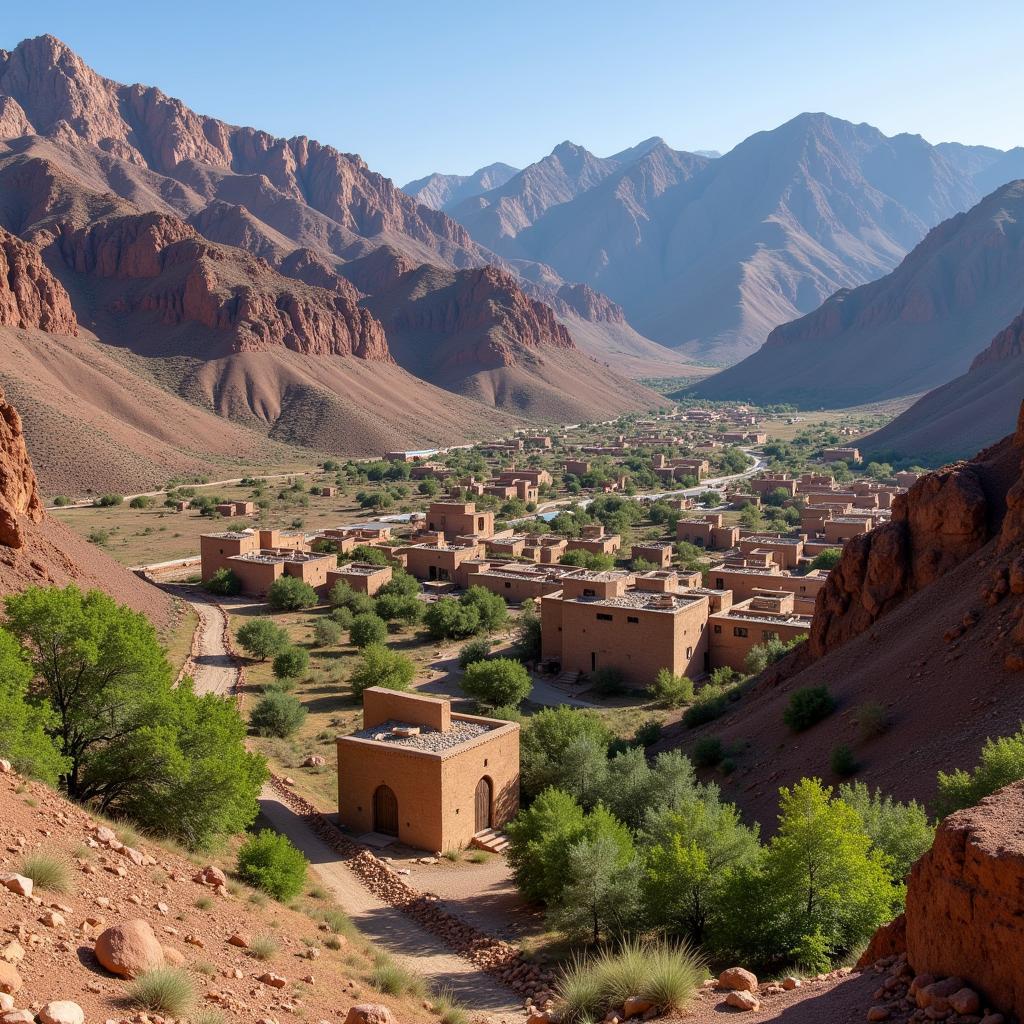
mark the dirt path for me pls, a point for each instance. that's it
(212, 668)
(388, 926)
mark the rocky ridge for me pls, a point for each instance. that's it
(19, 490)
(30, 296)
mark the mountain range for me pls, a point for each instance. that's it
(219, 273)
(708, 256)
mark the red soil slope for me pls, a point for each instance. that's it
(922, 616)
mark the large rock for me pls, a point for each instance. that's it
(739, 979)
(10, 979)
(965, 901)
(129, 948)
(19, 884)
(369, 1013)
(62, 1011)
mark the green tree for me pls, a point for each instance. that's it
(224, 583)
(601, 892)
(827, 559)
(564, 747)
(290, 594)
(526, 634)
(401, 584)
(498, 682)
(760, 656)
(368, 628)
(261, 638)
(690, 862)
(1001, 762)
(491, 608)
(671, 690)
(594, 560)
(901, 831)
(290, 662)
(539, 839)
(449, 619)
(270, 862)
(380, 666)
(24, 740)
(405, 608)
(326, 632)
(828, 877)
(277, 714)
(477, 649)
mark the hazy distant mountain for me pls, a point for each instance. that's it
(914, 329)
(971, 412)
(442, 191)
(711, 154)
(710, 255)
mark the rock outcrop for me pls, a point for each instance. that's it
(582, 300)
(965, 901)
(30, 296)
(942, 520)
(19, 491)
(220, 288)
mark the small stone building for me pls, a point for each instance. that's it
(428, 777)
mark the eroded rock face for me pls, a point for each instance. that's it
(965, 900)
(591, 305)
(221, 288)
(30, 296)
(943, 519)
(19, 489)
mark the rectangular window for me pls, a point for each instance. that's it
(632, 618)
(589, 593)
(719, 583)
(718, 629)
(739, 630)
(604, 617)
(768, 634)
(508, 586)
(689, 652)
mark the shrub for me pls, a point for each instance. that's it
(761, 656)
(61, 501)
(381, 666)
(405, 608)
(47, 871)
(608, 681)
(710, 703)
(842, 761)
(261, 638)
(476, 650)
(263, 947)
(565, 747)
(647, 733)
(450, 619)
(670, 689)
(594, 560)
(526, 634)
(269, 862)
(393, 979)
(707, 752)
(290, 594)
(165, 990)
(343, 617)
(1001, 762)
(326, 633)
(108, 501)
(827, 559)
(367, 628)
(224, 583)
(277, 714)
(337, 921)
(401, 584)
(667, 976)
(140, 502)
(446, 1007)
(807, 707)
(290, 662)
(492, 609)
(872, 719)
(498, 682)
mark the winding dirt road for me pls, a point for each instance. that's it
(214, 670)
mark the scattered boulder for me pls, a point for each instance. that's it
(19, 884)
(965, 1001)
(741, 1000)
(314, 761)
(129, 948)
(369, 1013)
(239, 939)
(173, 957)
(211, 875)
(273, 980)
(878, 1013)
(62, 1011)
(6, 1002)
(790, 983)
(17, 1017)
(636, 1007)
(738, 979)
(10, 979)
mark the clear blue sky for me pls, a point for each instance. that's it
(415, 86)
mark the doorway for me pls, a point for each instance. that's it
(385, 811)
(484, 795)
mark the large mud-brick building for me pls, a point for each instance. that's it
(428, 777)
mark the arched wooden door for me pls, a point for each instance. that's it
(385, 811)
(483, 804)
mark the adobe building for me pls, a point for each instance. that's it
(257, 570)
(459, 519)
(537, 477)
(439, 562)
(592, 538)
(767, 484)
(547, 549)
(708, 532)
(576, 467)
(839, 530)
(230, 509)
(660, 554)
(216, 548)
(787, 551)
(768, 615)
(362, 577)
(432, 779)
(845, 454)
(595, 623)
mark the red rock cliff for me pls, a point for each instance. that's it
(19, 491)
(943, 519)
(965, 901)
(30, 296)
(220, 288)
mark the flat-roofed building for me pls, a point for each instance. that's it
(216, 548)
(576, 467)
(547, 549)
(767, 615)
(768, 484)
(363, 577)
(787, 551)
(636, 632)
(658, 554)
(439, 562)
(708, 531)
(843, 528)
(282, 540)
(230, 509)
(257, 570)
(506, 545)
(592, 538)
(431, 778)
(537, 477)
(459, 518)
